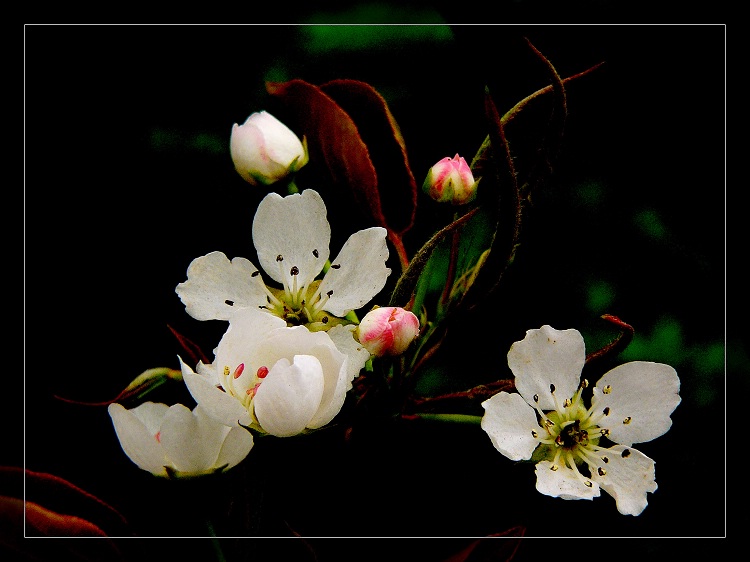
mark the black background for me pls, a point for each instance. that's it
(113, 216)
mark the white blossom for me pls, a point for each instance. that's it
(580, 450)
(291, 236)
(274, 378)
(173, 441)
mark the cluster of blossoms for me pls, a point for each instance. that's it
(290, 353)
(294, 346)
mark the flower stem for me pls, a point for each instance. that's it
(450, 418)
(291, 187)
(215, 542)
(481, 392)
(451, 275)
(398, 244)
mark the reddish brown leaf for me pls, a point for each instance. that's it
(351, 131)
(333, 140)
(500, 547)
(51, 507)
(62, 498)
(43, 522)
(382, 136)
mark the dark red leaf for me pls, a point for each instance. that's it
(52, 508)
(385, 144)
(500, 547)
(351, 131)
(334, 141)
(60, 497)
(43, 522)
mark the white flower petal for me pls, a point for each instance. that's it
(289, 396)
(563, 483)
(237, 444)
(298, 340)
(627, 476)
(137, 441)
(191, 441)
(343, 336)
(547, 357)
(509, 421)
(358, 273)
(216, 287)
(249, 149)
(248, 328)
(333, 397)
(642, 396)
(219, 405)
(282, 144)
(151, 415)
(294, 227)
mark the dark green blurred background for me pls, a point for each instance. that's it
(128, 178)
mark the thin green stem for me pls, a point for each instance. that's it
(451, 275)
(450, 418)
(215, 542)
(291, 187)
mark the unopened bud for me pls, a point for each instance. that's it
(388, 330)
(264, 150)
(451, 180)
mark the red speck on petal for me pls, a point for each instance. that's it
(262, 372)
(238, 370)
(158, 437)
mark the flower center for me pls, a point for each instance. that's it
(298, 303)
(570, 435)
(242, 384)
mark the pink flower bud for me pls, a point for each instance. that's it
(264, 150)
(388, 330)
(451, 180)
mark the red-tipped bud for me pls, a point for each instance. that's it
(388, 330)
(451, 180)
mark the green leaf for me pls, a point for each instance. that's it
(406, 284)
